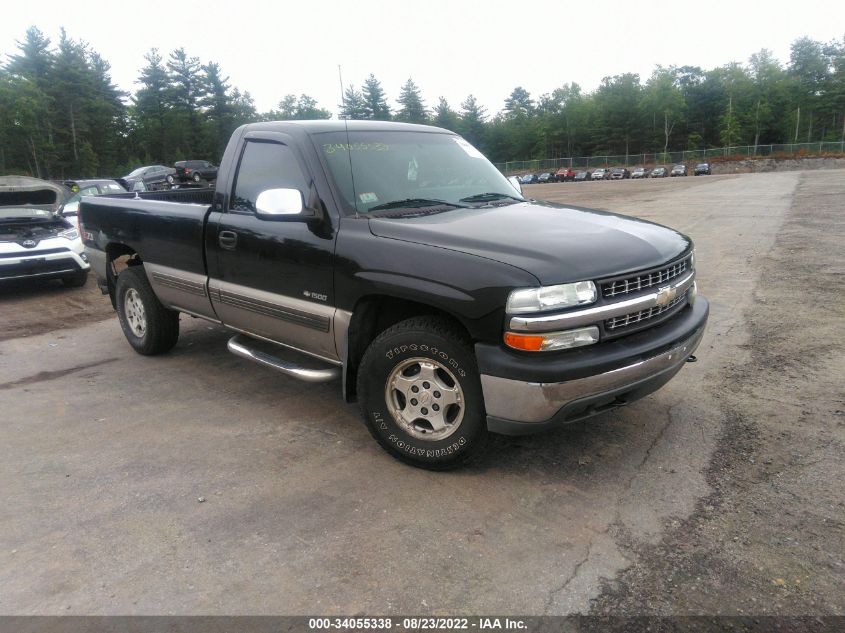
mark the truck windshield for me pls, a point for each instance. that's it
(390, 167)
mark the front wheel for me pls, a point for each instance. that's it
(170, 179)
(197, 177)
(149, 327)
(421, 396)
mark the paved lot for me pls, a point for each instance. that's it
(721, 493)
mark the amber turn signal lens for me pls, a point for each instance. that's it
(525, 342)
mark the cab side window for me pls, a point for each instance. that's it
(263, 166)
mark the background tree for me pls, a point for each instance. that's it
(472, 121)
(518, 104)
(663, 101)
(292, 108)
(185, 91)
(375, 100)
(412, 108)
(61, 115)
(619, 120)
(353, 106)
(149, 114)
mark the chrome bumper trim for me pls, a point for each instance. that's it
(588, 316)
(533, 402)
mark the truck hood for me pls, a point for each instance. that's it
(23, 192)
(555, 243)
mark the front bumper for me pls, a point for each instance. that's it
(52, 258)
(524, 397)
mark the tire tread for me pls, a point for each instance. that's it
(447, 329)
(162, 323)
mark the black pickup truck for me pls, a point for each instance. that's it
(397, 259)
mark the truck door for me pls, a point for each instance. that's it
(273, 277)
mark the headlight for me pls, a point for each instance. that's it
(551, 297)
(551, 341)
(69, 234)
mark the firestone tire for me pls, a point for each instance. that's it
(149, 327)
(420, 394)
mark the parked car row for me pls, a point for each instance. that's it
(152, 177)
(618, 173)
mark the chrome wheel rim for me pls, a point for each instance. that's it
(425, 399)
(136, 317)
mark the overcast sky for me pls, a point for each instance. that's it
(450, 48)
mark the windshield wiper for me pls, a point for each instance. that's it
(415, 203)
(490, 196)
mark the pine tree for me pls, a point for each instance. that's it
(34, 64)
(375, 100)
(184, 94)
(445, 116)
(34, 60)
(413, 108)
(353, 105)
(519, 103)
(216, 102)
(472, 121)
(151, 108)
(72, 85)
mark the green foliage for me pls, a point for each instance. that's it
(473, 117)
(353, 106)
(304, 108)
(412, 108)
(375, 100)
(445, 116)
(61, 116)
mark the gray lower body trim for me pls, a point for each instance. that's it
(274, 309)
(296, 323)
(534, 403)
(180, 290)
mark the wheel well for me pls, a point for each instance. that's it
(372, 316)
(118, 257)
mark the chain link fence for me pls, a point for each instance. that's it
(629, 160)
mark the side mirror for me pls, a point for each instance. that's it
(281, 204)
(515, 183)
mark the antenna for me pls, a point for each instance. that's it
(348, 144)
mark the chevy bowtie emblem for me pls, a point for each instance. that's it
(29, 244)
(665, 295)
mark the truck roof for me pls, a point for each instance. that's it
(341, 126)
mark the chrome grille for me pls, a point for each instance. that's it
(641, 315)
(644, 280)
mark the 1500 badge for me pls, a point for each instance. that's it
(315, 295)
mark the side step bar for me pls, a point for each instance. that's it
(246, 348)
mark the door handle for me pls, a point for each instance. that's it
(227, 240)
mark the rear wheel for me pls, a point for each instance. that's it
(149, 327)
(421, 395)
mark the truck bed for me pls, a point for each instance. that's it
(167, 226)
